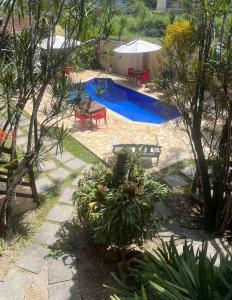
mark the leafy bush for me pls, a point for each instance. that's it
(117, 203)
(164, 274)
(141, 22)
(85, 59)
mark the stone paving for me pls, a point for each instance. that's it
(170, 227)
(61, 273)
(174, 141)
(175, 181)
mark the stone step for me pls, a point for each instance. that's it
(47, 234)
(175, 181)
(66, 196)
(16, 284)
(60, 213)
(59, 174)
(32, 258)
(189, 171)
(43, 184)
(62, 269)
(66, 291)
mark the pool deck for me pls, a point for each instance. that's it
(120, 130)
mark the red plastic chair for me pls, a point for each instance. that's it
(145, 77)
(100, 115)
(68, 70)
(130, 74)
(82, 117)
(2, 135)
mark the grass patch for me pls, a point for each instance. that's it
(78, 150)
(23, 229)
(25, 226)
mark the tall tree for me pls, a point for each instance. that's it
(30, 71)
(196, 76)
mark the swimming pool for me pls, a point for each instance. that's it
(129, 103)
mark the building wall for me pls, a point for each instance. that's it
(167, 5)
(161, 5)
(121, 62)
(121, 4)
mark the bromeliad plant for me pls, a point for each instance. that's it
(117, 202)
(164, 274)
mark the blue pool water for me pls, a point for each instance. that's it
(128, 103)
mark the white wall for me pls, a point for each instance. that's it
(121, 62)
(161, 5)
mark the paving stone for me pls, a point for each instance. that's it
(22, 141)
(55, 151)
(66, 196)
(211, 250)
(16, 284)
(189, 171)
(59, 174)
(48, 165)
(66, 291)
(166, 235)
(32, 258)
(47, 234)
(80, 176)
(20, 132)
(43, 184)
(64, 157)
(74, 164)
(163, 210)
(76, 180)
(60, 213)
(175, 181)
(24, 122)
(63, 268)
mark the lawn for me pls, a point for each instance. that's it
(80, 151)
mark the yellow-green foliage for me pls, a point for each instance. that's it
(179, 35)
(59, 30)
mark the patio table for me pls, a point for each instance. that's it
(135, 75)
(90, 108)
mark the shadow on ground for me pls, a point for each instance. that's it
(92, 272)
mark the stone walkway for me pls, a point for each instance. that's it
(170, 225)
(120, 130)
(35, 260)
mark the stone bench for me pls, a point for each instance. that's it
(146, 150)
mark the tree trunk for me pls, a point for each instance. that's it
(14, 179)
(209, 209)
(221, 188)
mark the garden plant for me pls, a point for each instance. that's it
(172, 273)
(196, 78)
(116, 202)
(28, 72)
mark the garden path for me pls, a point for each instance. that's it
(174, 224)
(37, 275)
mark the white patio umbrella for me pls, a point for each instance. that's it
(58, 42)
(136, 47)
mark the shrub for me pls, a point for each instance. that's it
(164, 274)
(117, 202)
